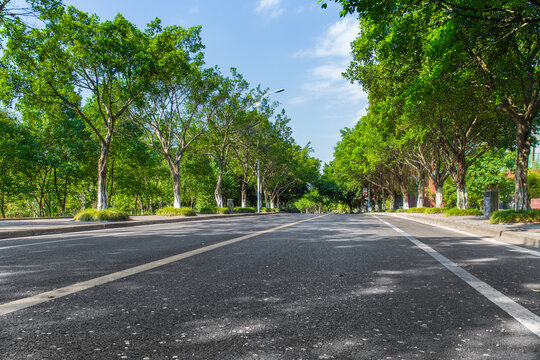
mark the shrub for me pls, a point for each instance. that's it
(221, 210)
(512, 216)
(462, 212)
(434, 210)
(416, 210)
(401, 210)
(207, 210)
(170, 211)
(101, 215)
(239, 209)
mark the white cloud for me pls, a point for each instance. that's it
(336, 42)
(270, 8)
(332, 53)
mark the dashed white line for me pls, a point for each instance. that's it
(530, 320)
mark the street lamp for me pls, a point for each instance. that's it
(258, 104)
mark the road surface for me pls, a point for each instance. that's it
(273, 287)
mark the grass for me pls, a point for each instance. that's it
(239, 209)
(462, 212)
(171, 211)
(101, 215)
(512, 216)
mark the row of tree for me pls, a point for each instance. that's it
(99, 97)
(449, 82)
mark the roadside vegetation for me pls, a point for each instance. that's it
(512, 216)
(111, 146)
(101, 215)
(171, 211)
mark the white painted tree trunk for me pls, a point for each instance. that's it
(102, 199)
(219, 185)
(438, 196)
(405, 195)
(177, 191)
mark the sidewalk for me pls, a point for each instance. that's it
(527, 234)
(33, 227)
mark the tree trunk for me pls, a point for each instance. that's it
(405, 194)
(461, 188)
(244, 194)
(2, 205)
(219, 185)
(102, 200)
(420, 200)
(177, 191)
(438, 195)
(523, 141)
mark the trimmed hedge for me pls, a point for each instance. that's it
(214, 210)
(239, 209)
(512, 216)
(462, 212)
(101, 215)
(264, 209)
(416, 210)
(434, 210)
(171, 211)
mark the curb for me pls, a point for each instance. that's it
(112, 225)
(514, 237)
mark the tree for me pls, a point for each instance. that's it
(496, 40)
(182, 100)
(75, 52)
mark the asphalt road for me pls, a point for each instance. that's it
(331, 287)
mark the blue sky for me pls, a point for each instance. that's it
(294, 45)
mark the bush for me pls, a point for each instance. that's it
(512, 216)
(434, 210)
(239, 209)
(207, 210)
(214, 210)
(170, 211)
(462, 212)
(416, 210)
(101, 215)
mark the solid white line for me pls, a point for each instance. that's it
(84, 285)
(530, 320)
(488, 239)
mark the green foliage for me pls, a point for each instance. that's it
(171, 211)
(512, 216)
(533, 180)
(101, 215)
(416, 210)
(462, 212)
(245, 210)
(434, 210)
(214, 210)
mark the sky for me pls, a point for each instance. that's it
(290, 44)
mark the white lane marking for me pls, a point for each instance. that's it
(488, 239)
(42, 242)
(84, 285)
(530, 320)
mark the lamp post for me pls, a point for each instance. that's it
(258, 104)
